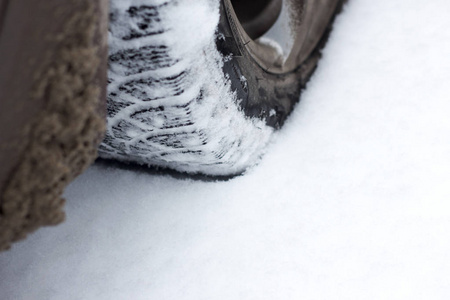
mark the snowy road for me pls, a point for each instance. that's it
(352, 200)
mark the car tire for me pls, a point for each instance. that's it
(189, 90)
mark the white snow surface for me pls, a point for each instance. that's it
(350, 202)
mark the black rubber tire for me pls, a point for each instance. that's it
(267, 92)
(155, 89)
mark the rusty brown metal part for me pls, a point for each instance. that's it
(53, 57)
(308, 22)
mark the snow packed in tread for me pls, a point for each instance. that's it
(169, 103)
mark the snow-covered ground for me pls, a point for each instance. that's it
(351, 201)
